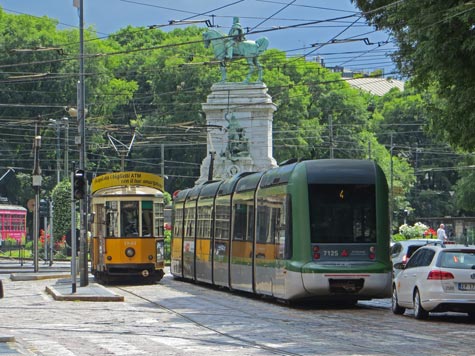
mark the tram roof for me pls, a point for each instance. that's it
(11, 207)
(120, 179)
(341, 171)
(210, 189)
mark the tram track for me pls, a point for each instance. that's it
(250, 343)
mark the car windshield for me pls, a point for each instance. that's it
(464, 259)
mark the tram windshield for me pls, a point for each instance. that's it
(129, 218)
(342, 213)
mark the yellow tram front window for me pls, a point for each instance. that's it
(129, 213)
(147, 218)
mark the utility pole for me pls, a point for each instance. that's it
(58, 151)
(391, 192)
(162, 166)
(73, 236)
(36, 186)
(330, 119)
(83, 262)
(66, 146)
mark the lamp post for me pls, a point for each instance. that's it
(82, 151)
(82, 145)
(36, 184)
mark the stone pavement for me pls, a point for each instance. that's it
(61, 289)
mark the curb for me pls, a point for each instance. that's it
(7, 338)
(85, 297)
(36, 277)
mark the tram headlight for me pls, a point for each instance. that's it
(129, 252)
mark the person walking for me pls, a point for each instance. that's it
(441, 235)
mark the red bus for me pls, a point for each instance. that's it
(13, 223)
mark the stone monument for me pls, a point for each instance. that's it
(238, 115)
(239, 119)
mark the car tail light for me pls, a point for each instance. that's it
(439, 275)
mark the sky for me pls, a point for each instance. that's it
(342, 38)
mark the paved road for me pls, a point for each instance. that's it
(176, 318)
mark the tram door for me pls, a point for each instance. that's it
(189, 234)
(221, 241)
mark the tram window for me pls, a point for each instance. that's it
(222, 221)
(250, 223)
(240, 222)
(203, 224)
(99, 222)
(159, 222)
(262, 224)
(147, 218)
(129, 218)
(178, 222)
(111, 219)
(342, 213)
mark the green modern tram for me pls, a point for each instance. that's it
(314, 229)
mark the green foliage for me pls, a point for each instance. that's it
(153, 83)
(167, 198)
(398, 237)
(61, 196)
(465, 193)
(436, 47)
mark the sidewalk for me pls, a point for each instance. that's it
(62, 289)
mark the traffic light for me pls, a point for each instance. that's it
(80, 184)
(44, 208)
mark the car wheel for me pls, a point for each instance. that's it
(419, 311)
(394, 304)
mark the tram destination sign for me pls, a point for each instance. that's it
(127, 178)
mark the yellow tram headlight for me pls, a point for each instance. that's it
(129, 252)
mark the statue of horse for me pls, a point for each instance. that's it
(250, 50)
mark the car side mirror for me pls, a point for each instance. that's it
(399, 265)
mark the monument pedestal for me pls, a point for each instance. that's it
(239, 118)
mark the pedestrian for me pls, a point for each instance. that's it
(441, 235)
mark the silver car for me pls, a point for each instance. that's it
(436, 279)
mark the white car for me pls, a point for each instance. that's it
(436, 279)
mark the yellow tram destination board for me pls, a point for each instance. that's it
(127, 178)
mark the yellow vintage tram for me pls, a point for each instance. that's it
(127, 227)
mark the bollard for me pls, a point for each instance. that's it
(1, 289)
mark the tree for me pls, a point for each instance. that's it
(61, 196)
(436, 47)
(401, 119)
